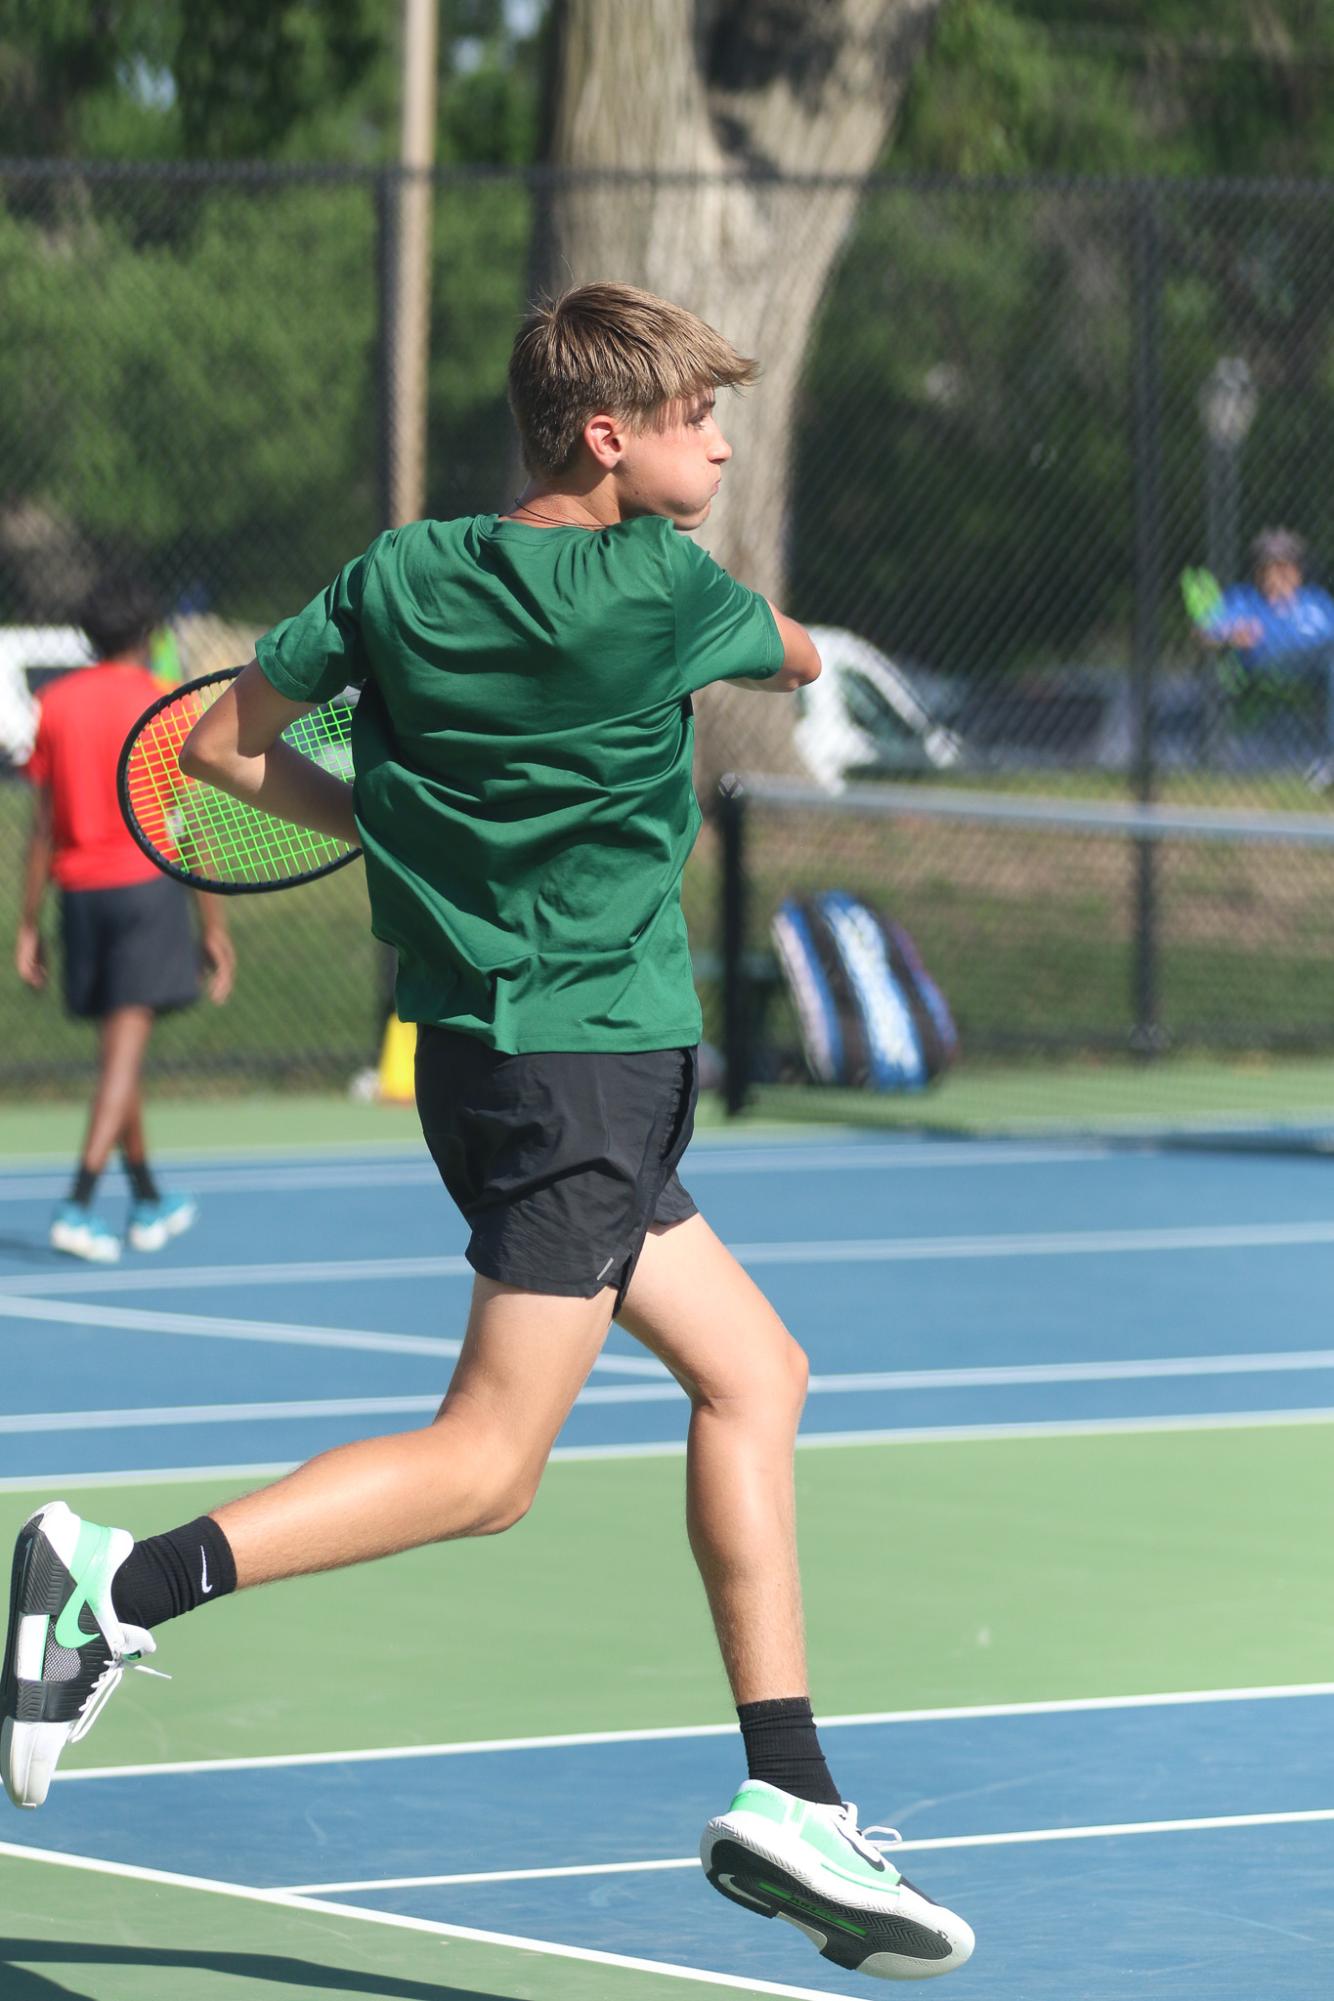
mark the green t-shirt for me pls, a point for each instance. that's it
(522, 751)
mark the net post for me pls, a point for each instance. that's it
(1146, 1037)
(732, 945)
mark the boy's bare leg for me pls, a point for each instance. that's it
(132, 1142)
(473, 1471)
(124, 1038)
(693, 1305)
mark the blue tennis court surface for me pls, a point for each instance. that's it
(1181, 1846)
(936, 1287)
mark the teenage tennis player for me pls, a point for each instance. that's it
(523, 796)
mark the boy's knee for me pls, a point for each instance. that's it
(798, 1368)
(776, 1387)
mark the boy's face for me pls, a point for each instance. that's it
(675, 469)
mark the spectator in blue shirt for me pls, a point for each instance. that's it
(1281, 626)
(1279, 618)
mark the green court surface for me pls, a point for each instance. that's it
(936, 1574)
(219, 1125)
(1186, 1094)
(71, 1933)
(1116, 1097)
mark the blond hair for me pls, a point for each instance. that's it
(614, 348)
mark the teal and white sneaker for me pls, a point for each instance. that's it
(65, 1649)
(153, 1224)
(814, 1866)
(82, 1234)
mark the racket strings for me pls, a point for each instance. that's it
(208, 833)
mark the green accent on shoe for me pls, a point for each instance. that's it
(837, 1855)
(763, 1802)
(841, 1857)
(91, 1577)
(786, 1898)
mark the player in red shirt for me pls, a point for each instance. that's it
(130, 951)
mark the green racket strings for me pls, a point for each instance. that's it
(207, 833)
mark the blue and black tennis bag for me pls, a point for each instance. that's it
(869, 1012)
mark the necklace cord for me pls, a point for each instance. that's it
(553, 520)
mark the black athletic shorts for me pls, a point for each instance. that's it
(560, 1160)
(129, 947)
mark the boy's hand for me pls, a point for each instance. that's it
(220, 954)
(30, 957)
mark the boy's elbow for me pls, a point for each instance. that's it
(194, 759)
(802, 669)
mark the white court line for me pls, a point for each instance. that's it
(857, 1250)
(287, 1900)
(578, 1740)
(1017, 1375)
(1045, 1244)
(191, 1278)
(808, 1441)
(140, 1320)
(149, 1415)
(496, 1876)
(1016, 1839)
(302, 1176)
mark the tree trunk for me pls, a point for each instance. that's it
(712, 106)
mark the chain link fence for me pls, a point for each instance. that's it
(1021, 416)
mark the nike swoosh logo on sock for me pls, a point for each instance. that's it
(204, 1585)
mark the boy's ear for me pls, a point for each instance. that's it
(605, 437)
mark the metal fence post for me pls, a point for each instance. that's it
(732, 946)
(1147, 1035)
(388, 220)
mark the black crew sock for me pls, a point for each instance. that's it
(142, 1185)
(782, 1748)
(166, 1575)
(83, 1186)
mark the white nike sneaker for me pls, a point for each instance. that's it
(65, 1649)
(814, 1867)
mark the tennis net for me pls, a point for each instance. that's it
(1112, 967)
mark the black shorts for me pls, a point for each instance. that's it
(130, 947)
(560, 1160)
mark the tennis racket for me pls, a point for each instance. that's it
(204, 837)
(1201, 593)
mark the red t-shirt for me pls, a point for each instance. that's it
(83, 719)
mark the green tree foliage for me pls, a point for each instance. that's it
(974, 359)
(1238, 87)
(199, 400)
(190, 377)
(312, 80)
(190, 374)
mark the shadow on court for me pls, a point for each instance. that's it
(18, 1982)
(33, 1251)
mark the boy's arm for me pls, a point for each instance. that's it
(28, 957)
(219, 950)
(801, 662)
(235, 746)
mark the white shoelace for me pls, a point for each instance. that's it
(102, 1690)
(871, 1840)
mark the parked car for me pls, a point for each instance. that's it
(29, 656)
(867, 717)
